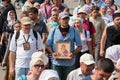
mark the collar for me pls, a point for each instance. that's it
(80, 72)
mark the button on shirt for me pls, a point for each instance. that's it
(72, 36)
(23, 57)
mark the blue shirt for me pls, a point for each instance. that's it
(87, 78)
(72, 36)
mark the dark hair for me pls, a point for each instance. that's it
(7, 1)
(95, 8)
(17, 21)
(115, 15)
(33, 10)
(106, 65)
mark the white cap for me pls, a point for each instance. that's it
(82, 10)
(87, 59)
(40, 55)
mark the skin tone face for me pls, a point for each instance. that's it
(86, 69)
(38, 68)
(4, 3)
(95, 13)
(117, 21)
(103, 10)
(64, 22)
(47, 1)
(12, 15)
(81, 15)
(101, 75)
(54, 15)
(78, 24)
(26, 28)
(32, 1)
(17, 26)
(88, 1)
(33, 16)
(57, 2)
(108, 2)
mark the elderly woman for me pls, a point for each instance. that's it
(37, 65)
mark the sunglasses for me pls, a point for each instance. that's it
(38, 66)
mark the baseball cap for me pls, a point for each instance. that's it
(63, 15)
(87, 59)
(103, 5)
(26, 20)
(82, 10)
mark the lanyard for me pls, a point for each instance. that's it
(27, 38)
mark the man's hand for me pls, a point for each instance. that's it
(102, 53)
(54, 55)
(3, 63)
(71, 55)
(12, 71)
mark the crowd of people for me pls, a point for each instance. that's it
(47, 42)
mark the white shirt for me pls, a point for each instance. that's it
(26, 6)
(113, 53)
(75, 75)
(107, 18)
(84, 38)
(23, 57)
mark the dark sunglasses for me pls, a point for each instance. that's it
(38, 65)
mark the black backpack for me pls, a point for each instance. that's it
(18, 34)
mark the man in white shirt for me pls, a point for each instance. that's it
(22, 48)
(86, 67)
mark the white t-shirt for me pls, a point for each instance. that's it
(26, 6)
(85, 36)
(23, 57)
(107, 18)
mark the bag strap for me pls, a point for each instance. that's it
(90, 25)
(46, 11)
(35, 34)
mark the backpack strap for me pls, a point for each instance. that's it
(85, 32)
(17, 36)
(35, 34)
(90, 25)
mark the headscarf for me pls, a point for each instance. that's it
(49, 74)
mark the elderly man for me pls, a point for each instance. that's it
(63, 33)
(103, 70)
(23, 47)
(86, 67)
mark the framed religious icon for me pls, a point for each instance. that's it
(63, 50)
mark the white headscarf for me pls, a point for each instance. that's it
(49, 74)
(10, 21)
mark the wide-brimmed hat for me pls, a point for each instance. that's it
(26, 20)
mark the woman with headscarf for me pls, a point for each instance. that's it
(37, 64)
(49, 75)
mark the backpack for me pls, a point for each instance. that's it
(18, 34)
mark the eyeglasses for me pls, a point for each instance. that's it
(38, 66)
